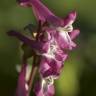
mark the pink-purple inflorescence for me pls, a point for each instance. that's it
(49, 45)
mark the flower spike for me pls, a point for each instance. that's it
(48, 48)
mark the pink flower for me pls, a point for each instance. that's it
(53, 36)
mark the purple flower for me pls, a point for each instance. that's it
(41, 11)
(50, 67)
(52, 60)
(35, 45)
(53, 36)
(62, 26)
(22, 84)
(45, 87)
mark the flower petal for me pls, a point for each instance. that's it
(74, 33)
(70, 18)
(64, 40)
(51, 90)
(21, 89)
(60, 55)
(33, 44)
(43, 13)
(39, 89)
(49, 67)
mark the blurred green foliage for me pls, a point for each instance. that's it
(78, 78)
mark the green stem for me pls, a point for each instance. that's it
(33, 73)
(32, 76)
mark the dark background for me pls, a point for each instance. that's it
(79, 74)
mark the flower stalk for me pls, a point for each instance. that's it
(32, 76)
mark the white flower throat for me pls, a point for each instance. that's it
(63, 31)
(52, 49)
(46, 82)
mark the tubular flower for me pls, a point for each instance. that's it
(22, 84)
(45, 87)
(63, 26)
(49, 42)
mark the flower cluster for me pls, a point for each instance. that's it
(48, 46)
